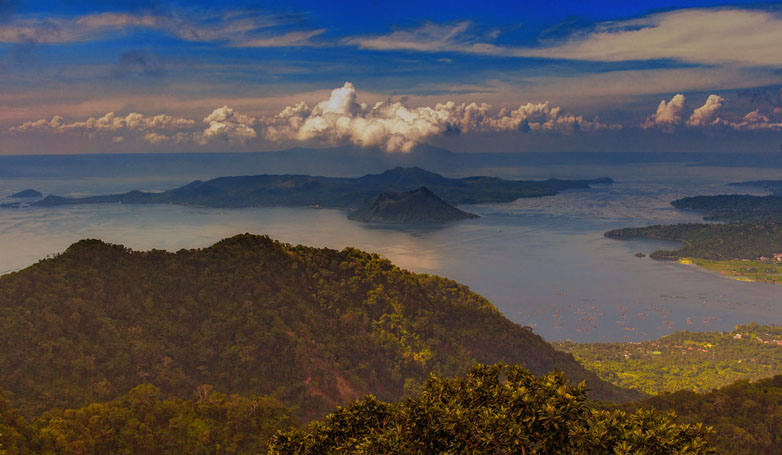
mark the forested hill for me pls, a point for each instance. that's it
(307, 190)
(741, 208)
(711, 241)
(249, 315)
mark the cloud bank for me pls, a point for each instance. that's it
(391, 125)
(222, 123)
(394, 126)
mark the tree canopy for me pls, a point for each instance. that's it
(493, 409)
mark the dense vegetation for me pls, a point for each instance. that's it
(735, 207)
(696, 361)
(711, 241)
(312, 327)
(746, 417)
(492, 410)
(306, 190)
(417, 206)
(143, 422)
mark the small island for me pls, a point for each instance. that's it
(417, 206)
(28, 193)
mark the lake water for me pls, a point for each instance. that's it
(543, 262)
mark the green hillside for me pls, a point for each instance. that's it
(697, 361)
(251, 316)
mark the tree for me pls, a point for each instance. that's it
(493, 409)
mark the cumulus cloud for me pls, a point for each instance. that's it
(755, 121)
(395, 126)
(234, 28)
(668, 116)
(224, 123)
(705, 35)
(708, 114)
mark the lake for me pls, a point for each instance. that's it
(543, 262)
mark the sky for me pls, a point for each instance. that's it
(156, 76)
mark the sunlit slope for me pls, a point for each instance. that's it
(697, 361)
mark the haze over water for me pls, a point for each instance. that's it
(543, 262)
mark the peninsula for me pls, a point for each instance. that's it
(747, 252)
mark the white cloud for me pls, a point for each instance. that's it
(395, 126)
(234, 28)
(755, 121)
(668, 116)
(224, 123)
(706, 35)
(708, 114)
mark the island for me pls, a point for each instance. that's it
(417, 206)
(28, 193)
(335, 192)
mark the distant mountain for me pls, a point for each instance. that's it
(29, 193)
(248, 315)
(306, 190)
(417, 206)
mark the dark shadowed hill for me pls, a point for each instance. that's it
(746, 416)
(307, 190)
(417, 206)
(313, 327)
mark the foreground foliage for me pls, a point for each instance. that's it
(695, 361)
(142, 422)
(493, 409)
(746, 417)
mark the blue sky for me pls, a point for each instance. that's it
(79, 76)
